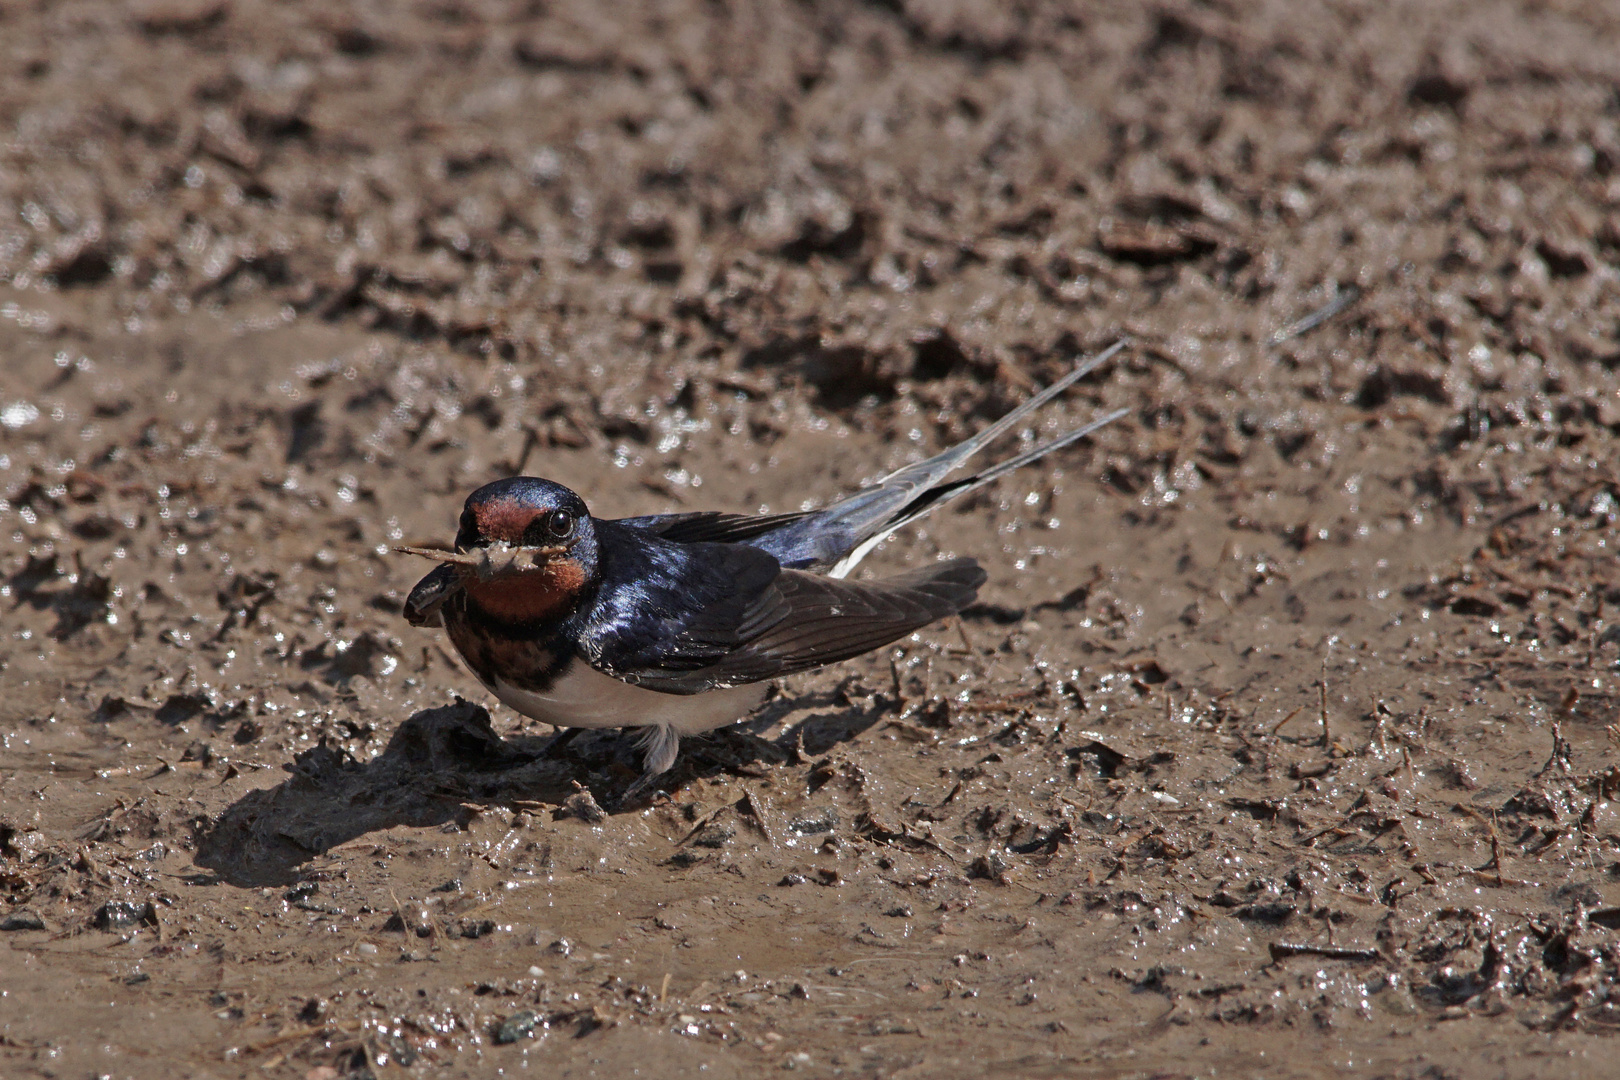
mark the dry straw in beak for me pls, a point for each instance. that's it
(443, 556)
(483, 562)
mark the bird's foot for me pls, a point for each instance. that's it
(560, 741)
(659, 747)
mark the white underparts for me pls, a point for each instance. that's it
(583, 697)
(849, 562)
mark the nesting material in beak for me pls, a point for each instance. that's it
(493, 561)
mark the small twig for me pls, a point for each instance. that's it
(1381, 711)
(757, 811)
(531, 439)
(1282, 950)
(483, 561)
(1327, 734)
(1358, 899)
(1338, 303)
(928, 839)
(440, 555)
(1279, 725)
(399, 912)
(1495, 878)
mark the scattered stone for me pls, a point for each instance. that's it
(713, 836)
(517, 1026)
(123, 914)
(582, 805)
(825, 821)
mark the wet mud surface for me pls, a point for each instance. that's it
(1283, 737)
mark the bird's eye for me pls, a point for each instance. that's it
(560, 524)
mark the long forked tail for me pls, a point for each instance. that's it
(907, 494)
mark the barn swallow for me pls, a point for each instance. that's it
(675, 622)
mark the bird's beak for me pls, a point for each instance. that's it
(491, 562)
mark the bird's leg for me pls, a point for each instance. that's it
(560, 741)
(659, 746)
(658, 749)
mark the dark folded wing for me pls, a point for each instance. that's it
(803, 541)
(672, 607)
(710, 526)
(802, 621)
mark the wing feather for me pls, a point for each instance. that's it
(805, 620)
(708, 526)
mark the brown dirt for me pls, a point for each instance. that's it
(1280, 743)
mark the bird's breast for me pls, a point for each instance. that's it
(546, 679)
(497, 656)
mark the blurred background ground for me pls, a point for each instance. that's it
(1281, 742)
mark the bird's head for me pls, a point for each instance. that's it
(525, 550)
(525, 515)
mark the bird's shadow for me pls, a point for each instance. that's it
(443, 764)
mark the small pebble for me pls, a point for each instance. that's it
(515, 1027)
(122, 914)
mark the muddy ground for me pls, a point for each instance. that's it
(1281, 741)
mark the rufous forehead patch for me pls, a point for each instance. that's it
(504, 519)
